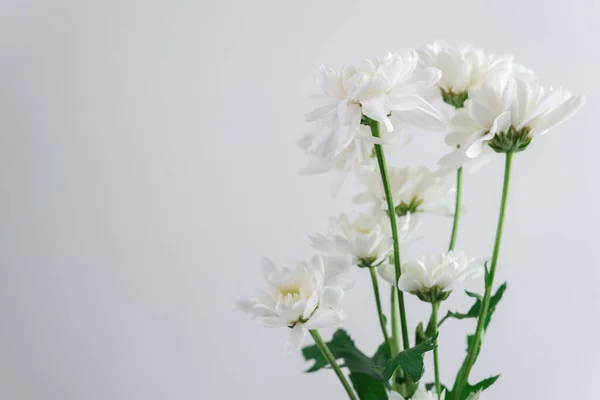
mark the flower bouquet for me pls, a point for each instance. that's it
(498, 109)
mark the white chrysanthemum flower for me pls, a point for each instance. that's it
(365, 238)
(302, 298)
(414, 190)
(434, 276)
(465, 67)
(374, 89)
(504, 116)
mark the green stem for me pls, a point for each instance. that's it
(456, 209)
(336, 368)
(396, 332)
(463, 377)
(434, 324)
(374, 125)
(379, 310)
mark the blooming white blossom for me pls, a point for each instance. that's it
(465, 67)
(373, 89)
(434, 276)
(365, 238)
(502, 116)
(414, 190)
(302, 298)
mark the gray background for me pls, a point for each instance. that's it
(147, 162)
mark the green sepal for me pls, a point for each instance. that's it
(457, 100)
(412, 207)
(511, 141)
(432, 295)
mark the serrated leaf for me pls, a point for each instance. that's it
(342, 347)
(410, 361)
(494, 300)
(471, 389)
(476, 308)
(367, 387)
(313, 353)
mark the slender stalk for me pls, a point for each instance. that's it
(391, 212)
(396, 332)
(434, 324)
(463, 378)
(336, 368)
(395, 311)
(456, 209)
(379, 310)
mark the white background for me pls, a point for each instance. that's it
(147, 162)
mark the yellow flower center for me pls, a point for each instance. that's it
(290, 289)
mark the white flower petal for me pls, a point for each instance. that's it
(296, 338)
(325, 319)
(409, 284)
(388, 273)
(565, 110)
(311, 305)
(331, 296)
(378, 108)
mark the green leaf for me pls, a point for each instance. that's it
(382, 355)
(474, 295)
(494, 300)
(313, 353)
(476, 308)
(410, 361)
(342, 347)
(484, 384)
(420, 335)
(471, 391)
(367, 387)
(431, 386)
